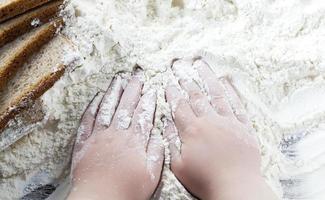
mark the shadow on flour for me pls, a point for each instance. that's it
(40, 193)
(304, 171)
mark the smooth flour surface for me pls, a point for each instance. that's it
(272, 50)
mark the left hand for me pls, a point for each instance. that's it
(115, 156)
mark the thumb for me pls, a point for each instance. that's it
(85, 129)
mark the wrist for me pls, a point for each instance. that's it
(234, 185)
(246, 186)
(95, 191)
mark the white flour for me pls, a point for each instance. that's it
(273, 50)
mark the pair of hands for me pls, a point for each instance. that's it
(117, 157)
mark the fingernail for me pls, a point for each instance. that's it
(139, 75)
(174, 61)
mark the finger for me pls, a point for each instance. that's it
(128, 103)
(155, 156)
(183, 69)
(214, 88)
(109, 104)
(199, 102)
(182, 111)
(87, 122)
(142, 121)
(174, 144)
(237, 106)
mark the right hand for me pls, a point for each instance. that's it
(218, 159)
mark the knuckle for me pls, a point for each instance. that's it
(219, 102)
(217, 98)
(222, 110)
(180, 104)
(242, 118)
(196, 95)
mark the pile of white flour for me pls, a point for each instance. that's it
(273, 50)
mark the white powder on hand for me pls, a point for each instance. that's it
(272, 50)
(145, 118)
(123, 119)
(110, 103)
